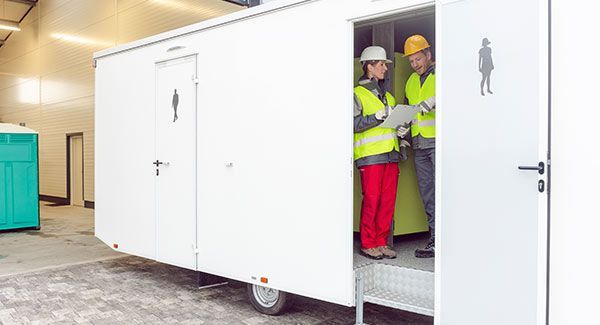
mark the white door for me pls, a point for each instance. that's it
(492, 217)
(176, 161)
(76, 168)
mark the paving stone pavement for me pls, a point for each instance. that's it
(133, 290)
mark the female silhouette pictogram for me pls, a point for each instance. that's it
(486, 64)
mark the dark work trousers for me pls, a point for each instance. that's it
(425, 167)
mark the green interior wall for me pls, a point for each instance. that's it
(409, 216)
(18, 181)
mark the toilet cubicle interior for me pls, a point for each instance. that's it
(410, 228)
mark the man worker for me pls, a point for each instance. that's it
(420, 90)
(376, 154)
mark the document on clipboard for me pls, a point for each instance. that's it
(401, 114)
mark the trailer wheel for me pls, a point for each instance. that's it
(269, 301)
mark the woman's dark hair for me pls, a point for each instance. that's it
(364, 67)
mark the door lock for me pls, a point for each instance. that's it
(541, 186)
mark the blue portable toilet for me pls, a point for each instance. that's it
(19, 199)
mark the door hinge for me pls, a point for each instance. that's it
(195, 248)
(195, 80)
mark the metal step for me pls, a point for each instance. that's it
(398, 287)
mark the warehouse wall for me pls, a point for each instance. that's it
(46, 73)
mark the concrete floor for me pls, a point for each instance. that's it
(64, 275)
(66, 237)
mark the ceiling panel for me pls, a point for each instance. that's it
(13, 10)
(32, 16)
(21, 42)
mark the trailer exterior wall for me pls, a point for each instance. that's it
(574, 281)
(125, 148)
(274, 158)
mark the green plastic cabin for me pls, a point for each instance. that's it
(19, 199)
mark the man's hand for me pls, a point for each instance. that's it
(404, 144)
(402, 130)
(427, 105)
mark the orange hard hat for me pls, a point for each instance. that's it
(415, 44)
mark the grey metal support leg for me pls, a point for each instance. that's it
(360, 288)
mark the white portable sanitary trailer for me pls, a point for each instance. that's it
(227, 147)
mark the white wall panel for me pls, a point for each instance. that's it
(126, 4)
(21, 95)
(47, 6)
(574, 224)
(156, 16)
(77, 49)
(74, 82)
(58, 120)
(72, 17)
(55, 46)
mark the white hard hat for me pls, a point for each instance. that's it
(374, 53)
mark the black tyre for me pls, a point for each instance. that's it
(269, 301)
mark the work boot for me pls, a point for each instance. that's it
(387, 252)
(428, 251)
(372, 253)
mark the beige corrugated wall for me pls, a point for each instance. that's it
(46, 73)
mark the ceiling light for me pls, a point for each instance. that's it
(9, 25)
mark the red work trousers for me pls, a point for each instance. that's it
(379, 185)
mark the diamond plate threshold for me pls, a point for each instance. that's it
(398, 287)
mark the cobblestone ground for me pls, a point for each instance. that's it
(132, 290)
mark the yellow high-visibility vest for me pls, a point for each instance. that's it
(423, 124)
(376, 140)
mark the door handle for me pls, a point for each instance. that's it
(541, 168)
(158, 163)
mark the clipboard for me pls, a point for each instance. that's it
(400, 115)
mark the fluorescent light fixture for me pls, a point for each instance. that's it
(9, 25)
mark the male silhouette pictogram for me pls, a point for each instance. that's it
(175, 103)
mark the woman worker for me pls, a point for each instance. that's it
(376, 154)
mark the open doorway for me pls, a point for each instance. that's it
(414, 290)
(75, 169)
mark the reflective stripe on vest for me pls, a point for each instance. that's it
(376, 140)
(382, 137)
(423, 124)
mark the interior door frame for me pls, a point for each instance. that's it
(69, 137)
